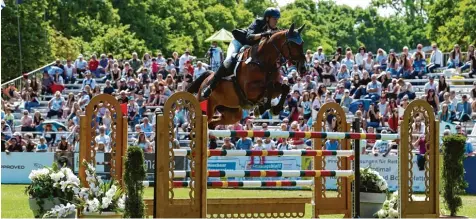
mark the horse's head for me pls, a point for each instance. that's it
(292, 47)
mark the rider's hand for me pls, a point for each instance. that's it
(266, 34)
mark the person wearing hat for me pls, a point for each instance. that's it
(319, 55)
(81, 65)
(216, 56)
(88, 80)
(381, 146)
(260, 28)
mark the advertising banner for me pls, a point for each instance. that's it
(16, 167)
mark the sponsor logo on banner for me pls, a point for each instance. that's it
(16, 167)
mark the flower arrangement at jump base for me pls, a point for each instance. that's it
(390, 207)
(50, 187)
(373, 192)
(101, 197)
(56, 192)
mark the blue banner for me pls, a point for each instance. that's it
(16, 166)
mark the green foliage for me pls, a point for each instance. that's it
(372, 181)
(453, 171)
(134, 174)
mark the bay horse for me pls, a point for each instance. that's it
(257, 79)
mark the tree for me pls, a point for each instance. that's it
(257, 7)
(35, 48)
(119, 41)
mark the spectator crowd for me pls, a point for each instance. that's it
(43, 113)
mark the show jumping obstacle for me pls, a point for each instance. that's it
(165, 205)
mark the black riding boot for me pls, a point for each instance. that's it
(221, 73)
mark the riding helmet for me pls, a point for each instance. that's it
(272, 12)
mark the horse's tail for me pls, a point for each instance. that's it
(195, 86)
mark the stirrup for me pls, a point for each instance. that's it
(206, 92)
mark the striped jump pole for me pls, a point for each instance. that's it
(180, 174)
(239, 184)
(264, 153)
(290, 134)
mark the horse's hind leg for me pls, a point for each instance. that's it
(284, 92)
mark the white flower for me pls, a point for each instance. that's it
(381, 213)
(37, 173)
(393, 213)
(106, 202)
(57, 176)
(121, 203)
(92, 205)
(61, 211)
(84, 193)
(76, 190)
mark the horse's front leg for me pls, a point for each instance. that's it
(284, 92)
(269, 95)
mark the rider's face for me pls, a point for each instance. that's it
(272, 22)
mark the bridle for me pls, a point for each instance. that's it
(282, 59)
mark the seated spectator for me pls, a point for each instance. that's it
(405, 89)
(37, 119)
(348, 61)
(472, 71)
(227, 145)
(142, 141)
(258, 147)
(370, 142)
(105, 139)
(43, 145)
(31, 99)
(419, 65)
(9, 117)
(328, 73)
(332, 144)
(319, 55)
(296, 143)
(91, 82)
(381, 59)
(46, 83)
(373, 116)
(69, 72)
(374, 89)
(393, 121)
(436, 59)
(456, 58)
(16, 143)
(381, 146)
(329, 98)
(405, 67)
(244, 143)
(269, 144)
(463, 109)
(55, 106)
(30, 145)
(63, 145)
(93, 65)
(146, 127)
(84, 100)
(433, 100)
(392, 64)
(133, 112)
(420, 144)
(49, 135)
(27, 122)
(444, 114)
(80, 65)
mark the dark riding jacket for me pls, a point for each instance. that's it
(245, 36)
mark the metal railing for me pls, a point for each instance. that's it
(32, 75)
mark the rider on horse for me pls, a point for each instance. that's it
(261, 27)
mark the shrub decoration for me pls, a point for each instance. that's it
(390, 207)
(371, 181)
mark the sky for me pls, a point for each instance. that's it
(351, 3)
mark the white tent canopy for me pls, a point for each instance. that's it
(221, 36)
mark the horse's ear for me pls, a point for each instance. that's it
(291, 29)
(301, 28)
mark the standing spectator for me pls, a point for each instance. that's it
(436, 59)
(319, 55)
(91, 82)
(93, 65)
(55, 106)
(216, 56)
(80, 65)
(135, 62)
(186, 57)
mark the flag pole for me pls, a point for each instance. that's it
(19, 39)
